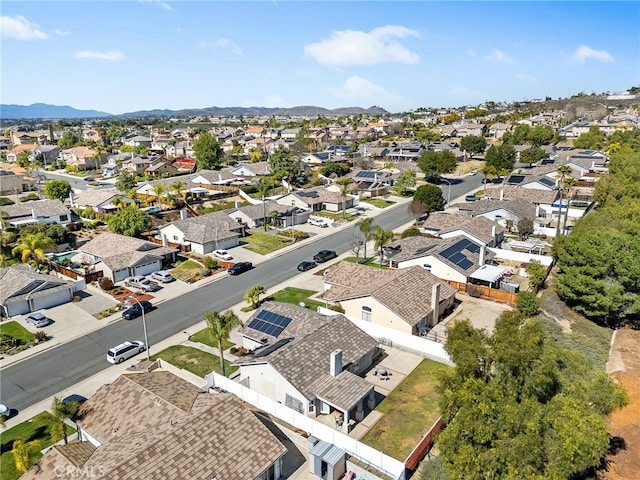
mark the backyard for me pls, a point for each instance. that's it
(397, 432)
(37, 428)
(193, 360)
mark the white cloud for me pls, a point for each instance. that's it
(20, 28)
(62, 33)
(499, 56)
(584, 53)
(158, 3)
(364, 92)
(92, 55)
(528, 78)
(229, 45)
(349, 47)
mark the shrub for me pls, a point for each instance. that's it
(6, 201)
(528, 303)
(205, 272)
(106, 283)
(336, 308)
(211, 263)
(233, 350)
(31, 196)
(89, 213)
(41, 336)
(474, 291)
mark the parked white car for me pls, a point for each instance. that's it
(318, 222)
(142, 283)
(162, 276)
(222, 254)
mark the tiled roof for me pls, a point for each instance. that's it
(146, 433)
(517, 206)
(305, 360)
(479, 227)
(406, 291)
(94, 198)
(315, 195)
(121, 251)
(206, 228)
(257, 211)
(19, 280)
(44, 208)
(531, 195)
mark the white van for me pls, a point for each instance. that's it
(120, 353)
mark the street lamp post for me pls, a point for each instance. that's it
(293, 211)
(448, 190)
(144, 325)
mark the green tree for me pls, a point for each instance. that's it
(525, 228)
(61, 411)
(158, 190)
(380, 238)
(537, 274)
(264, 187)
(129, 221)
(126, 181)
(541, 135)
(22, 453)
(405, 182)
(178, 189)
(592, 140)
(367, 228)
(437, 163)
(334, 168)
(252, 296)
(518, 406)
(32, 247)
(532, 155)
(70, 139)
(57, 189)
(430, 196)
(527, 303)
(283, 165)
(344, 192)
(501, 157)
(473, 144)
(489, 171)
(221, 325)
(208, 152)
(412, 231)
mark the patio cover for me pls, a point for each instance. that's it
(488, 273)
(343, 392)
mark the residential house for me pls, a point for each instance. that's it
(185, 165)
(289, 133)
(543, 200)
(12, 184)
(253, 215)
(316, 199)
(14, 153)
(248, 171)
(408, 300)
(373, 183)
(480, 230)
(180, 149)
(503, 211)
(137, 164)
(374, 151)
(138, 141)
(497, 130)
(318, 159)
(309, 362)
(532, 182)
(157, 425)
(451, 259)
(5, 143)
(83, 158)
(24, 290)
(406, 152)
(37, 211)
(160, 168)
(90, 134)
(101, 200)
(204, 233)
(119, 256)
(339, 151)
(50, 153)
(211, 179)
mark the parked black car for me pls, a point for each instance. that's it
(324, 255)
(135, 310)
(304, 266)
(240, 267)
(435, 179)
(471, 198)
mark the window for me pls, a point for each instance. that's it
(312, 406)
(64, 218)
(426, 266)
(293, 403)
(366, 314)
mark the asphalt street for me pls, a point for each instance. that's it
(43, 375)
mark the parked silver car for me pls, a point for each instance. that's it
(38, 320)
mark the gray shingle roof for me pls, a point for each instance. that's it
(211, 227)
(517, 206)
(44, 208)
(119, 251)
(531, 195)
(257, 211)
(479, 227)
(17, 281)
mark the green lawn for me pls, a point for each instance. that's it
(186, 270)
(204, 336)
(17, 331)
(408, 412)
(378, 202)
(337, 216)
(264, 243)
(371, 262)
(195, 361)
(295, 296)
(37, 428)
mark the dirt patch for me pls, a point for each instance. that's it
(624, 366)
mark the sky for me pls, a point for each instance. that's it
(125, 56)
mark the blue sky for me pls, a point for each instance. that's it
(124, 56)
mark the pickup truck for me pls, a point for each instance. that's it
(142, 283)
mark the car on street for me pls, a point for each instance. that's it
(162, 276)
(471, 198)
(324, 255)
(38, 320)
(135, 310)
(304, 266)
(435, 179)
(318, 222)
(473, 172)
(142, 283)
(222, 254)
(240, 267)
(120, 353)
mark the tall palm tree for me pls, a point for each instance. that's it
(563, 171)
(263, 188)
(32, 246)
(366, 227)
(158, 190)
(221, 325)
(177, 189)
(344, 191)
(489, 171)
(61, 411)
(381, 238)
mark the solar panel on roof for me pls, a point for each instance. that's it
(269, 323)
(456, 258)
(473, 247)
(272, 348)
(466, 264)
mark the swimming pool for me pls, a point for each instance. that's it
(65, 256)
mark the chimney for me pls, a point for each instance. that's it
(435, 303)
(335, 364)
(34, 214)
(238, 204)
(164, 240)
(183, 214)
(483, 252)
(537, 210)
(502, 194)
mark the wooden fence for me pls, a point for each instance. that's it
(183, 248)
(423, 446)
(485, 292)
(68, 272)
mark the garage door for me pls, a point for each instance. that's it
(51, 300)
(147, 268)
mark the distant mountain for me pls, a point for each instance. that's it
(45, 111)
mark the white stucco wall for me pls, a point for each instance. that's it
(438, 268)
(380, 314)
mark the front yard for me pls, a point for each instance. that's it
(187, 270)
(204, 336)
(193, 360)
(264, 243)
(378, 202)
(408, 412)
(296, 295)
(14, 337)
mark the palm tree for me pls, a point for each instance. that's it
(569, 183)
(381, 238)
(252, 296)
(177, 188)
(563, 171)
(221, 325)
(61, 411)
(33, 246)
(366, 227)
(158, 190)
(344, 191)
(263, 188)
(489, 172)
